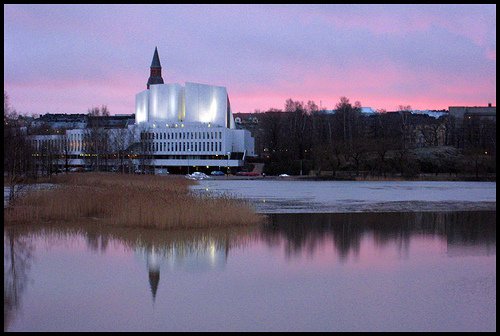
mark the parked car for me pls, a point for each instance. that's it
(284, 175)
(139, 171)
(161, 171)
(197, 176)
(217, 173)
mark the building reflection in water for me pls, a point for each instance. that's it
(194, 256)
(464, 233)
(153, 263)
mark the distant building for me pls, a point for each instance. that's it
(61, 121)
(481, 112)
(474, 127)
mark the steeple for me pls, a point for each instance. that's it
(156, 60)
(155, 70)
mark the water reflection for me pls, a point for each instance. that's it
(18, 255)
(304, 233)
(204, 254)
(187, 250)
(172, 265)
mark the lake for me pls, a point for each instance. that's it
(424, 270)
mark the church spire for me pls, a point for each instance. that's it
(155, 70)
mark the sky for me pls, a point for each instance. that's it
(70, 58)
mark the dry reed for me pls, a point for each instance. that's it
(128, 201)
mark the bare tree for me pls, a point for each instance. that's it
(405, 113)
(432, 132)
(271, 124)
(96, 138)
(299, 126)
(120, 142)
(145, 150)
(357, 152)
(66, 148)
(18, 151)
(348, 117)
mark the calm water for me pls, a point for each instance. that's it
(414, 271)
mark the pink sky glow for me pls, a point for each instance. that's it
(69, 58)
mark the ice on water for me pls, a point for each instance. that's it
(292, 196)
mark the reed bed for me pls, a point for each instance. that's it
(145, 201)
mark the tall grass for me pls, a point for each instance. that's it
(128, 201)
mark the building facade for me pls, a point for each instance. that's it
(475, 127)
(467, 112)
(190, 127)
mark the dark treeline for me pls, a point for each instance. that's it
(301, 139)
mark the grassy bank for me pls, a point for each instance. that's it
(127, 201)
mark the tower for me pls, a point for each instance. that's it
(155, 70)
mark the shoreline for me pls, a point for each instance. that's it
(345, 198)
(424, 178)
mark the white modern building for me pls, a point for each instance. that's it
(189, 126)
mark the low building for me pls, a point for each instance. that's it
(462, 112)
